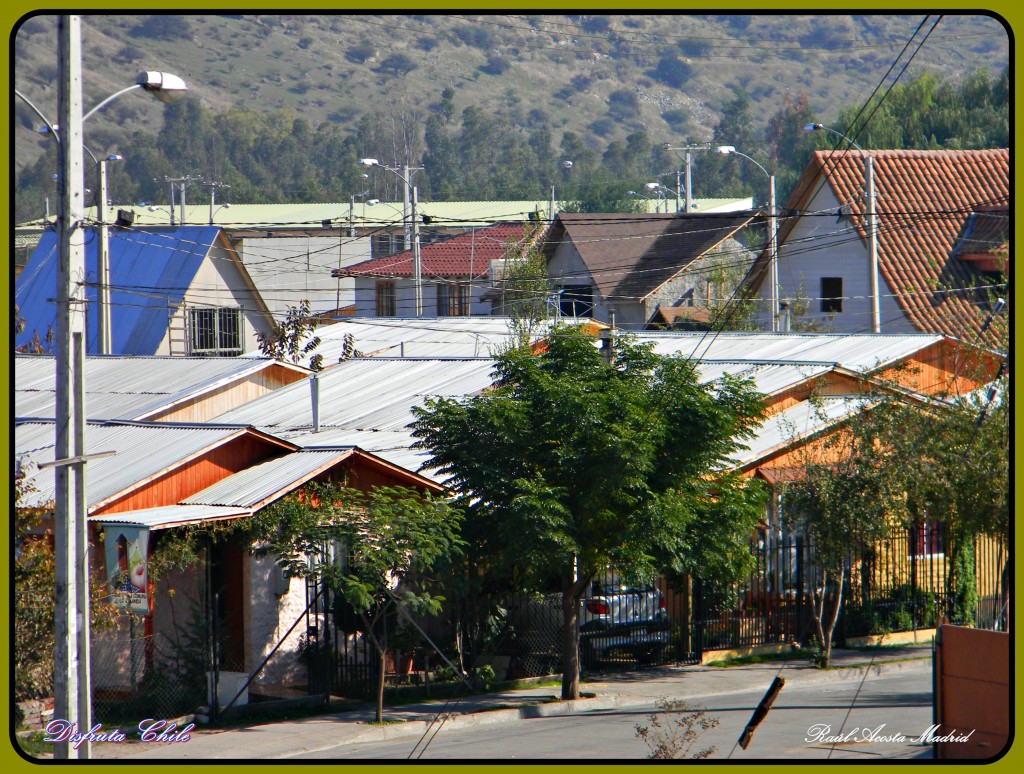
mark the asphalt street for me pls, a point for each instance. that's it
(868, 714)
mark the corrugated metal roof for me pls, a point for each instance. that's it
(142, 451)
(394, 446)
(312, 215)
(149, 274)
(253, 486)
(365, 394)
(423, 337)
(126, 387)
(800, 421)
(172, 515)
(862, 353)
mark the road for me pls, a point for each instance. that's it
(804, 723)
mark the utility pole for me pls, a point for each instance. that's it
(773, 231)
(71, 691)
(213, 185)
(869, 179)
(182, 183)
(417, 265)
(103, 338)
(687, 161)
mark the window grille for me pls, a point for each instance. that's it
(215, 331)
(385, 299)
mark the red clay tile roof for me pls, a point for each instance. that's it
(630, 256)
(984, 238)
(923, 200)
(466, 255)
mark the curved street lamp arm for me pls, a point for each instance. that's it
(111, 98)
(39, 113)
(744, 155)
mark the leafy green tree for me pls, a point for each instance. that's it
(524, 293)
(844, 501)
(397, 64)
(673, 71)
(33, 575)
(293, 338)
(905, 464)
(575, 462)
(385, 544)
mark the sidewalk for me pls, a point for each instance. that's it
(283, 740)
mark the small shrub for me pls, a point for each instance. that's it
(675, 730)
(360, 52)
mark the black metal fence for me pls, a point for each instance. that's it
(913, 579)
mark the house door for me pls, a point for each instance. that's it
(226, 569)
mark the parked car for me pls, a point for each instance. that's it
(620, 620)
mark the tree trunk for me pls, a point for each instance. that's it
(838, 604)
(827, 630)
(381, 661)
(572, 590)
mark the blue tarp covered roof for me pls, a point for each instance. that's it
(149, 273)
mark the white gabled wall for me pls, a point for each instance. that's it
(217, 283)
(823, 245)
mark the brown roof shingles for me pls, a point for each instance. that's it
(630, 256)
(923, 199)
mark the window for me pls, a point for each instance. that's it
(831, 295)
(215, 331)
(927, 539)
(382, 245)
(576, 301)
(385, 299)
(452, 299)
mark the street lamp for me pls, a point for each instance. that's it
(773, 228)
(409, 205)
(823, 128)
(657, 190)
(72, 695)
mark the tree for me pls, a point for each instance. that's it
(843, 502)
(33, 574)
(573, 463)
(397, 64)
(293, 338)
(386, 542)
(900, 464)
(672, 71)
(524, 293)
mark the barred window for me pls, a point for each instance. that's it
(385, 244)
(452, 300)
(385, 299)
(215, 331)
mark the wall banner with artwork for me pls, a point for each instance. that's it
(127, 573)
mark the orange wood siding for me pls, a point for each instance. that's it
(196, 475)
(944, 367)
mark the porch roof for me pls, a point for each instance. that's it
(168, 516)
